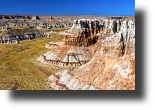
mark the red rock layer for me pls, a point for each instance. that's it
(112, 67)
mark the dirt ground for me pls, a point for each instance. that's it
(18, 66)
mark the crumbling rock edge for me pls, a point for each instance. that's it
(101, 73)
(112, 64)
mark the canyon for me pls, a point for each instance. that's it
(67, 52)
(14, 28)
(104, 50)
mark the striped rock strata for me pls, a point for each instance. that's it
(66, 56)
(75, 49)
(111, 65)
(15, 35)
(111, 68)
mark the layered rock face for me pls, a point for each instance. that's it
(112, 66)
(65, 56)
(75, 49)
(85, 24)
(83, 33)
(39, 22)
(19, 17)
(15, 35)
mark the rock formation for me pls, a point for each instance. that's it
(111, 65)
(19, 17)
(75, 49)
(51, 45)
(35, 18)
(40, 23)
(15, 35)
(51, 18)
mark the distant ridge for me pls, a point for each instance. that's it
(69, 15)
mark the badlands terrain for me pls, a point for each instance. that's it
(67, 52)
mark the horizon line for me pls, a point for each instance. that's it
(65, 15)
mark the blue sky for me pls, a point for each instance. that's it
(68, 7)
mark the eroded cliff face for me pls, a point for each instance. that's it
(15, 35)
(76, 49)
(112, 64)
(19, 17)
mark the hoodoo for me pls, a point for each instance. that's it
(76, 47)
(109, 48)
